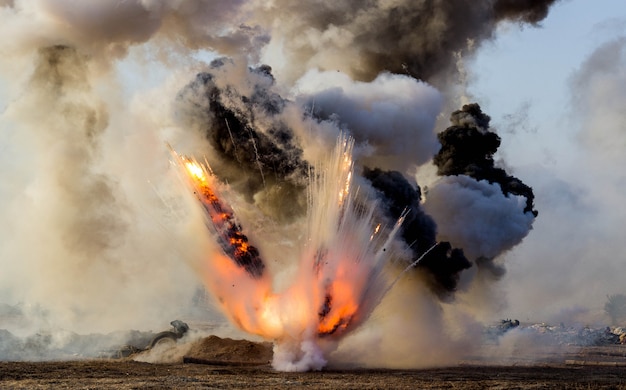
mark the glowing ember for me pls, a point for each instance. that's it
(229, 233)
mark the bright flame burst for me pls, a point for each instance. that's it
(339, 281)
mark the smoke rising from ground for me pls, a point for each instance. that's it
(101, 234)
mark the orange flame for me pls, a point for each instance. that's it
(341, 303)
(325, 299)
(231, 238)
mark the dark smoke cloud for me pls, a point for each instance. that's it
(256, 150)
(443, 264)
(467, 148)
(106, 30)
(479, 207)
(365, 38)
(528, 11)
(257, 153)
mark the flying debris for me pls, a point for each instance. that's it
(221, 219)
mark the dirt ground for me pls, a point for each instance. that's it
(136, 375)
(216, 363)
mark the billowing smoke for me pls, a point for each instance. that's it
(363, 39)
(443, 263)
(467, 148)
(102, 234)
(482, 209)
(253, 147)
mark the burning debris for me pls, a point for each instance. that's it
(221, 221)
(341, 266)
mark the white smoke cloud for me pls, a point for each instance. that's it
(476, 216)
(97, 230)
(390, 104)
(85, 240)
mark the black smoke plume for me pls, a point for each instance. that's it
(467, 148)
(408, 36)
(443, 263)
(528, 11)
(256, 149)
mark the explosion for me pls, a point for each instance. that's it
(341, 265)
(315, 121)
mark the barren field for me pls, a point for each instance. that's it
(134, 375)
(214, 363)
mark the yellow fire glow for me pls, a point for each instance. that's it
(196, 171)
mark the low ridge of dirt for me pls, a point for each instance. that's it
(214, 349)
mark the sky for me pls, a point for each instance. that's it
(527, 70)
(561, 118)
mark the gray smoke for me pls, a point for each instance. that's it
(365, 38)
(98, 228)
(253, 149)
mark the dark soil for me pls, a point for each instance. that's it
(215, 363)
(134, 375)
